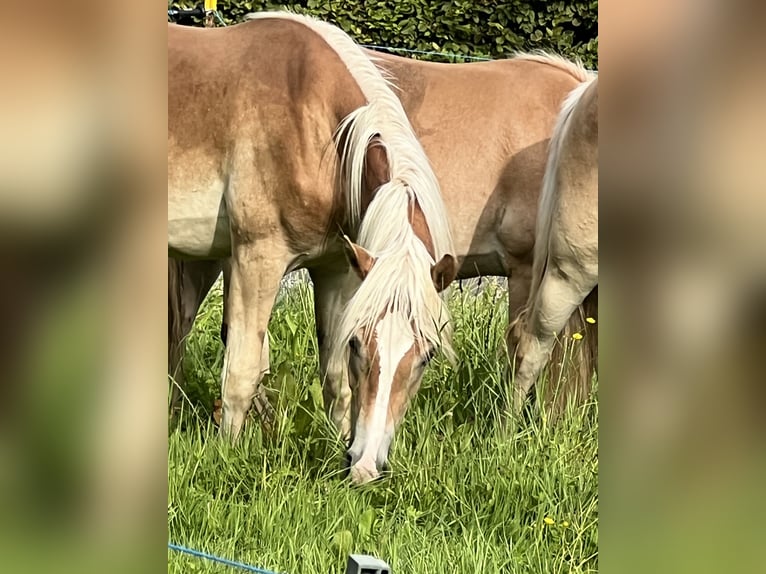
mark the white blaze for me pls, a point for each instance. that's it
(394, 338)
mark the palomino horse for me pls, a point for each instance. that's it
(254, 114)
(565, 269)
(485, 127)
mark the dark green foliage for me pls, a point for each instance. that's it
(467, 27)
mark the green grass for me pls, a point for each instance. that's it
(462, 497)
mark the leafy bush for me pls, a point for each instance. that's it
(466, 27)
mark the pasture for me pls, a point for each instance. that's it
(463, 495)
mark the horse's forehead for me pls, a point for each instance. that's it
(394, 335)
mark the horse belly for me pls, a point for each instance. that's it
(198, 225)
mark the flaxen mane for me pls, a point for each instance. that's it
(400, 281)
(384, 117)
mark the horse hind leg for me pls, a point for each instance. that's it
(556, 300)
(188, 284)
(255, 274)
(519, 283)
(226, 266)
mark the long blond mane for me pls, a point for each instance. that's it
(384, 119)
(400, 280)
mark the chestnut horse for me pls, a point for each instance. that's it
(565, 268)
(281, 131)
(486, 128)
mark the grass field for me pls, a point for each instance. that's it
(462, 496)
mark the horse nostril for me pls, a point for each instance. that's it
(347, 460)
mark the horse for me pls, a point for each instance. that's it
(565, 262)
(504, 112)
(282, 136)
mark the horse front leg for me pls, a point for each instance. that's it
(254, 281)
(329, 300)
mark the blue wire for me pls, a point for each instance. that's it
(425, 52)
(220, 19)
(213, 558)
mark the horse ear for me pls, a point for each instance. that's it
(444, 272)
(358, 257)
(376, 169)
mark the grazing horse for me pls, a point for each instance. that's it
(485, 127)
(565, 268)
(281, 132)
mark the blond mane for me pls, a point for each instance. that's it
(384, 119)
(400, 280)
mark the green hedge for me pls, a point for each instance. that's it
(467, 27)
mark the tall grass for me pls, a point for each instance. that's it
(463, 496)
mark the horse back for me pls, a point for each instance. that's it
(224, 78)
(253, 106)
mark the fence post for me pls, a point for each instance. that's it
(363, 564)
(210, 8)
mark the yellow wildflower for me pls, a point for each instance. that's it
(590, 320)
(549, 521)
(577, 336)
(565, 524)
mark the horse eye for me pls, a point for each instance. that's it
(353, 344)
(427, 358)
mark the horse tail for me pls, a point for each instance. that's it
(574, 363)
(550, 191)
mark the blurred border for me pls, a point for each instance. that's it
(683, 286)
(82, 225)
(82, 219)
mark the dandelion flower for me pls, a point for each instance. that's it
(577, 336)
(565, 524)
(590, 320)
(549, 521)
